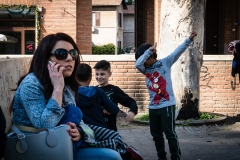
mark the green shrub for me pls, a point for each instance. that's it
(207, 116)
(143, 117)
(103, 49)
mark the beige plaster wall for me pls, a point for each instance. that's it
(108, 31)
(11, 70)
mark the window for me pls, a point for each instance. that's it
(95, 18)
(119, 19)
(220, 28)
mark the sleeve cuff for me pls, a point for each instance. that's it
(54, 106)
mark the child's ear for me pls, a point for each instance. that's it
(110, 74)
(90, 79)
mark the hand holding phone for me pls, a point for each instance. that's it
(50, 62)
(56, 75)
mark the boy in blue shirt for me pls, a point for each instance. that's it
(94, 103)
(162, 100)
(92, 100)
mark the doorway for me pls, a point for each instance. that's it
(18, 22)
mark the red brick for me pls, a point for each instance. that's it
(132, 83)
(131, 63)
(120, 66)
(208, 110)
(142, 95)
(119, 63)
(128, 67)
(133, 90)
(123, 86)
(230, 110)
(120, 83)
(132, 71)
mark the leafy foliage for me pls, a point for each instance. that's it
(106, 49)
(143, 117)
(207, 116)
(203, 116)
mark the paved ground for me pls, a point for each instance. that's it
(205, 142)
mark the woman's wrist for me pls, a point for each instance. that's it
(57, 96)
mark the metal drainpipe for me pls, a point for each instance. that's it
(116, 30)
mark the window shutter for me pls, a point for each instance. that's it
(97, 14)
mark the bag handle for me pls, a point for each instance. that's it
(52, 140)
(21, 137)
(30, 129)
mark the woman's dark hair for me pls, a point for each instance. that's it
(140, 51)
(39, 63)
(84, 72)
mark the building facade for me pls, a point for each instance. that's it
(30, 20)
(128, 27)
(107, 22)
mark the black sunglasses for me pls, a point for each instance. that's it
(62, 54)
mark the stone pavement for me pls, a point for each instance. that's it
(205, 142)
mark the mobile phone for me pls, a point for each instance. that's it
(50, 62)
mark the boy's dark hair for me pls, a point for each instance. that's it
(140, 51)
(103, 64)
(84, 72)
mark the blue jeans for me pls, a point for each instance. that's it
(96, 154)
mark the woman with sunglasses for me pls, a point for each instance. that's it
(48, 87)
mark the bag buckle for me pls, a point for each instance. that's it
(21, 136)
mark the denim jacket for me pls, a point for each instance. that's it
(30, 108)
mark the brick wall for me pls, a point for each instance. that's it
(150, 22)
(219, 91)
(157, 19)
(84, 26)
(72, 17)
(126, 76)
(58, 16)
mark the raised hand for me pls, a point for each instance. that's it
(56, 75)
(154, 47)
(192, 34)
(57, 80)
